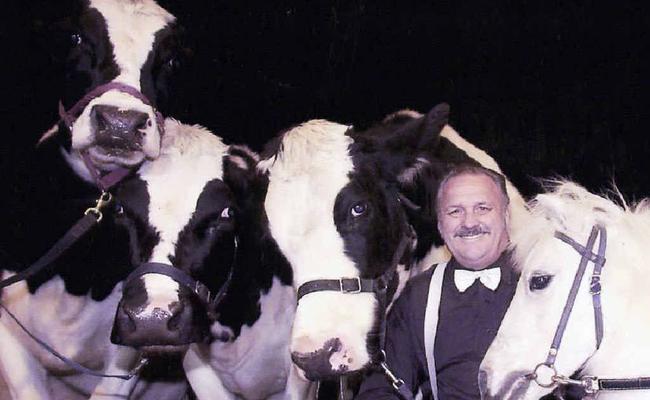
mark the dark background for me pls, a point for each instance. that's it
(546, 87)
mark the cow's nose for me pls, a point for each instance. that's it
(162, 329)
(316, 364)
(118, 128)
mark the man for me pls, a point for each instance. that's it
(469, 295)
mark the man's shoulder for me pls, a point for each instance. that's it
(418, 286)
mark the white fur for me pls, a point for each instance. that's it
(313, 167)
(131, 27)
(76, 326)
(191, 156)
(257, 363)
(527, 329)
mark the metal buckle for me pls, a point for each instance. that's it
(594, 286)
(355, 291)
(590, 384)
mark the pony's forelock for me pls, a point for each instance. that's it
(568, 207)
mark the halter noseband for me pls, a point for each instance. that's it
(200, 290)
(106, 181)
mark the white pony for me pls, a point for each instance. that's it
(548, 266)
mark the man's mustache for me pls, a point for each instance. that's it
(464, 231)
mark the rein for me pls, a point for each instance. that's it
(92, 216)
(591, 384)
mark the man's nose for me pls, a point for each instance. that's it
(469, 219)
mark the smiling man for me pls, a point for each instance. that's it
(441, 326)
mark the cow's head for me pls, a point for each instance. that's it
(120, 54)
(335, 209)
(181, 211)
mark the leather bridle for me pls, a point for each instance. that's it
(591, 384)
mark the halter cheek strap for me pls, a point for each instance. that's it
(590, 384)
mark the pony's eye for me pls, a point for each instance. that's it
(539, 282)
(358, 209)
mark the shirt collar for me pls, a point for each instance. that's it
(504, 262)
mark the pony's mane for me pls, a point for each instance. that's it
(567, 207)
(309, 148)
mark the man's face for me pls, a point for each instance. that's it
(472, 219)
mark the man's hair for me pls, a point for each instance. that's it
(470, 169)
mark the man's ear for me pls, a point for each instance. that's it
(239, 170)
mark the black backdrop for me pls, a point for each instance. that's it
(547, 88)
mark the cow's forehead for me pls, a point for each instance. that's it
(191, 158)
(131, 27)
(306, 175)
(312, 165)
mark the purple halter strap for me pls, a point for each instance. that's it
(106, 181)
(71, 115)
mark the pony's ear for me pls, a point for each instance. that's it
(553, 208)
(239, 169)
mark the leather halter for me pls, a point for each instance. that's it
(200, 290)
(357, 285)
(599, 261)
(106, 181)
(71, 115)
(591, 384)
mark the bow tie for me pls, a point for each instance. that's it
(490, 278)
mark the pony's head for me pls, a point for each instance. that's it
(548, 268)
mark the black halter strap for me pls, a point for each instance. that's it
(357, 285)
(200, 290)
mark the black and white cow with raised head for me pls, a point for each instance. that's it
(341, 204)
(116, 73)
(196, 223)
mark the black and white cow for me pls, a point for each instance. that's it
(128, 46)
(196, 215)
(340, 204)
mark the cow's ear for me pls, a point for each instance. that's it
(428, 135)
(239, 169)
(432, 125)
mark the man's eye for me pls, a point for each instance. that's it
(483, 209)
(454, 212)
(539, 282)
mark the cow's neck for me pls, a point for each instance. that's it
(55, 198)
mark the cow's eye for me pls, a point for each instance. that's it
(539, 282)
(227, 213)
(75, 39)
(210, 230)
(358, 209)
